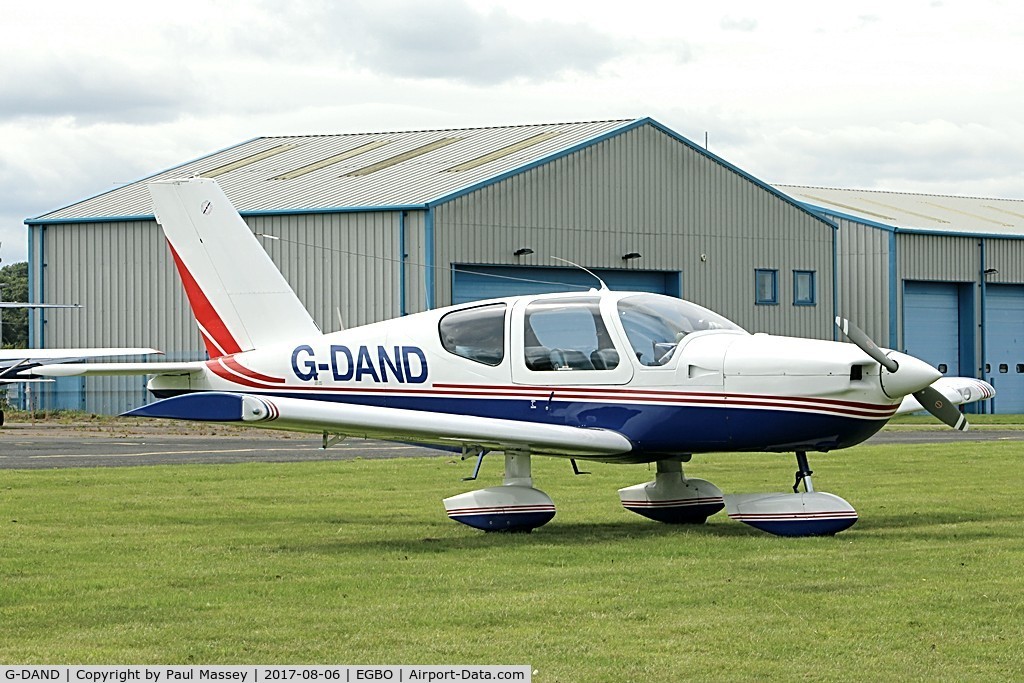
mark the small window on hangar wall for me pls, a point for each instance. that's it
(476, 333)
(804, 288)
(766, 286)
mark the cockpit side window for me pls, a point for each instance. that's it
(567, 334)
(475, 333)
(654, 325)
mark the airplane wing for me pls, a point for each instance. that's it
(957, 390)
(23, 304)
(21, 365)
(392, 424)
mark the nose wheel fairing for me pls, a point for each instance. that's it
(792, 514)
(811, 513)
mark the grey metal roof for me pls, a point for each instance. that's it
(917, 212)
(353, 171)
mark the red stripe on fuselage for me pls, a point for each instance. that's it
(660, 393)
(232, 363)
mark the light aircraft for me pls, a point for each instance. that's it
(618, 377)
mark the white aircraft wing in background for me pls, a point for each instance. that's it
(16, 365)
(956, 390)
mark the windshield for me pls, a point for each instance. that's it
(655, 325)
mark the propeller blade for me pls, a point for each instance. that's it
(866, 344)
(939, 406)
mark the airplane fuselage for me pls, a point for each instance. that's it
(593, 360)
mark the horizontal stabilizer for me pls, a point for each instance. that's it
(207, 406)
(391, 424)
(107, 369)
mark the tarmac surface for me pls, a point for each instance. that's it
(121, 443)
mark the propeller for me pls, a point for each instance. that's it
(938, 405)
(866, 344)
(930, 398)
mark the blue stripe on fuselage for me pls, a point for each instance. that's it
(653, 429)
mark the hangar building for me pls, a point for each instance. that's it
(371, 226)
(941, 278)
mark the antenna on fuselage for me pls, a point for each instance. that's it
(604, 287)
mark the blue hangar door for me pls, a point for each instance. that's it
(472, 283)
(931, 324)
(1004, 346)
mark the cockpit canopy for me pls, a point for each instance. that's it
(570, 333)
(654, 325)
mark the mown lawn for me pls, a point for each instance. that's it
(355, 562)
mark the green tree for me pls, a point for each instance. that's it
(14, 287)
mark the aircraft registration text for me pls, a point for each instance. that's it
(402, 364)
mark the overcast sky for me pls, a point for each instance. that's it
(915, 96)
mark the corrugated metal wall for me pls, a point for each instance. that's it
(862, 259)
(1007, 257)
(338, 261)
(940, 258)
(645, 191)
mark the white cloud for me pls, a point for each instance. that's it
(450, 39)
(904, 96)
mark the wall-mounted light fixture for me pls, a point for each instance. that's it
(631, 255)
(991, 271)
(522, 251)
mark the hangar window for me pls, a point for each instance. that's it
(567, 334)
(804, 288)
(766, 286)
(475, 333)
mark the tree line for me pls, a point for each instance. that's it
(14, 287)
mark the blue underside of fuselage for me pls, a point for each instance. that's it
(653, 429)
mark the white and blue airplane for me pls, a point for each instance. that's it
(617, 377)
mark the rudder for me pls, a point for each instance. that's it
(238, 296)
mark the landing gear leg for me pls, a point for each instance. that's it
(803, 473)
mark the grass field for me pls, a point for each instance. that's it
(354, 562)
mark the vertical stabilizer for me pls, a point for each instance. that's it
(239, 298)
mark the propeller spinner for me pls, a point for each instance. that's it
(930, 398)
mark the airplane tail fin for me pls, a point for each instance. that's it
(239, 298)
